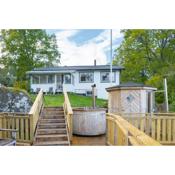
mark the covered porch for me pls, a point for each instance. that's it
(50, 82)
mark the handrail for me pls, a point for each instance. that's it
(160, 127)
(35, 112)
(35, 104)
(66, 98)
(130, 134)
(68, 114)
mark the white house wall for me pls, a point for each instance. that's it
(76, 86)
(101, 87)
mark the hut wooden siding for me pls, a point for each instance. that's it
(114, 103)
(135, 105)
(131, 99)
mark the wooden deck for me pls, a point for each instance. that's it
(54, 125)
(89, 141)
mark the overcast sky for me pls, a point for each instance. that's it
(81, 47)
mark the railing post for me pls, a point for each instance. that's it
(31, 129)
(106, 130)
(71, 127)
(0, 126)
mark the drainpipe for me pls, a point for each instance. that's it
(166, 95)
(111, 56)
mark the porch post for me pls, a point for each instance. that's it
(55, 83)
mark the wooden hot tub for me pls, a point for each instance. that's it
(89, 121)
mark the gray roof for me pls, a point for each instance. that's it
(78, 68)
(130, 85)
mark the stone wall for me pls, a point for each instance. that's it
(13, 100)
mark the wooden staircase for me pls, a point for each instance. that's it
(51, 128)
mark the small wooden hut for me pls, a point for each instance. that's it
(131, 98)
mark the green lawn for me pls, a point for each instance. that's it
(75, 100)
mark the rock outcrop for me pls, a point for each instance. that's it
(14, 100)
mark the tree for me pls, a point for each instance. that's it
(148, 56)
(5, 78)
(23, 50)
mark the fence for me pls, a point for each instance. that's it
(121, 132)
(24, 123)
(21, 122)
(160, 126)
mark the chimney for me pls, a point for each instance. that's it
(95, 63)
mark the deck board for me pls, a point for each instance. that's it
(89, 141)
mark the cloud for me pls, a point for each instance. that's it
(74, 54)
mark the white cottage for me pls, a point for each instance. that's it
(77, 79)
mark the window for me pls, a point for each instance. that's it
(86, 77)
(51, 79)
(105, 77)
(35, 79)
(43, 79)
(67, 78)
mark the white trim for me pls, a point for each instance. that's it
(49, 72)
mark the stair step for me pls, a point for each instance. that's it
(53, 116)
(51, 125)
(54, 137)
(52, 120)
(53, 112)
(51, 131)
(53, 108)
(52, 143)
(51, 128)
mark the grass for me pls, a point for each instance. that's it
(75, 100)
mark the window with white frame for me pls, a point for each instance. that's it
(86, 77)
(67, 78)
(51, 79)
(105, 77)
(35, 79)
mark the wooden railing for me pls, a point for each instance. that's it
(121, 132)
(68, 114)
(25, 124)
(18, 121)
(35, 112)
(160, 126)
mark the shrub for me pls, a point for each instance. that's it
(21, 85)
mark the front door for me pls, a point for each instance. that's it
(59, 82)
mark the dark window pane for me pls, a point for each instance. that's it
(105, 77)
(51, 79)
(86, 77)
(67, 78)
(35, 79)
(43, 79)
